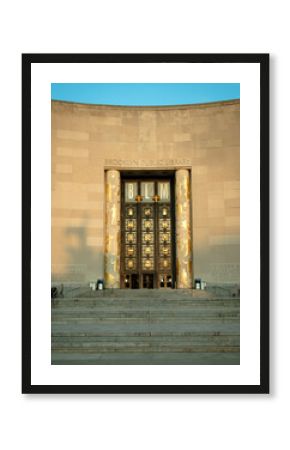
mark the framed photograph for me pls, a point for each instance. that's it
(145, 223)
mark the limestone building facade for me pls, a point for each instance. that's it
(146, 196)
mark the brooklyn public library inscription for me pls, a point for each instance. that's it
(117, 163)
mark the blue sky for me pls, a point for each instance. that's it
(144, 93)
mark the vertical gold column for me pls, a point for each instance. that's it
(112, 237)
(183, 232)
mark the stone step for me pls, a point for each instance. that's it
(151, 302)
(144, 313)
(198, 338)
(140, 321)
(127, 293)
(145, 317)
(139, 307)
(198, 358)
(143, 347)
(143, 329)
(108, 329)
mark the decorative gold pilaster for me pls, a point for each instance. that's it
(183, 234)
(112, 230)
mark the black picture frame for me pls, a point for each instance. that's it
(263, 61)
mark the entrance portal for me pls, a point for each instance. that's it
(147, 232)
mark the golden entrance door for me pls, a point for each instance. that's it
(147, 233)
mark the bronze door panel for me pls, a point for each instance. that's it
(147, 234)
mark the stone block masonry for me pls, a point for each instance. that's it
(88, 141)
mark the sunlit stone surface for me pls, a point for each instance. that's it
(112, 239)
(89, 140)
(183, 235)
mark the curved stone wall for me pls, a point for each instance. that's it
(88, 140)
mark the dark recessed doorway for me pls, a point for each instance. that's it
(147, 230)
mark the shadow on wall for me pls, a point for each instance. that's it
(217, 264)
(84, 262)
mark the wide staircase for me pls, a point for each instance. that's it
(145, 327)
